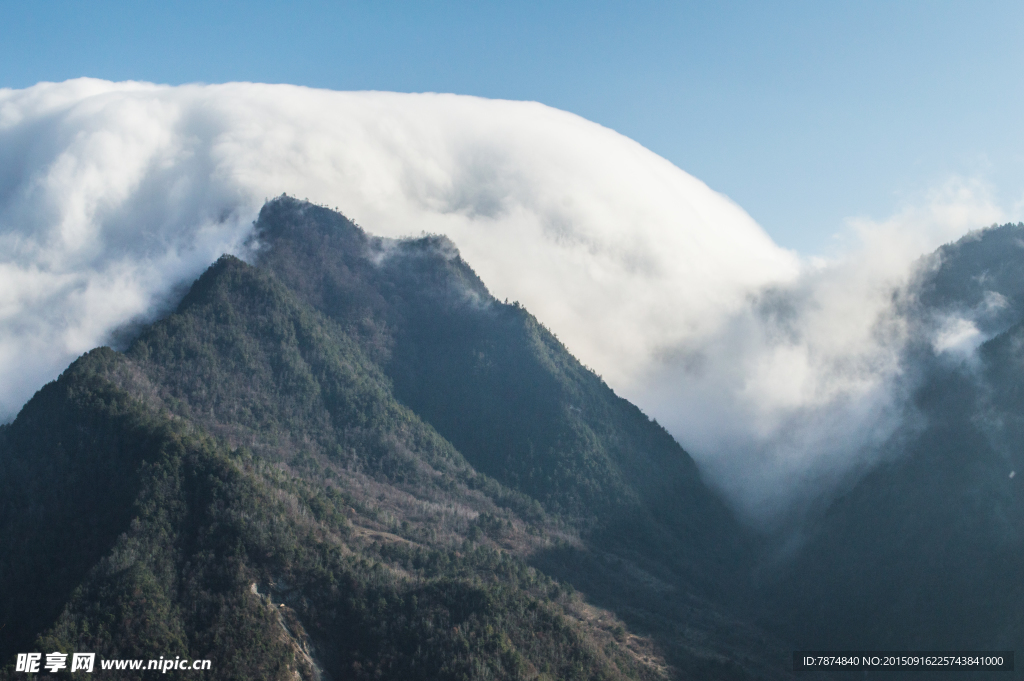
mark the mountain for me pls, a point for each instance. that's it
(348, 460)
(981, 276)
(927, 550)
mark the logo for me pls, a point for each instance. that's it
(55, 662)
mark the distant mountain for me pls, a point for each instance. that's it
(981, 276)
(927, 550)
(350, 461)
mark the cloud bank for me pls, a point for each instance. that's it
(802, 388)
(767, 368)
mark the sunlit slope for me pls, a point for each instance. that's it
(275, 559)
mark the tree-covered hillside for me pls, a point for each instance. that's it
(501, 388)
(349, 461)
(927, 550)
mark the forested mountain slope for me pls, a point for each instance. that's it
(349, 461)
(501, 388)
(927, 550)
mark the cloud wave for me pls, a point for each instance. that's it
(113, 195)
(800, 390)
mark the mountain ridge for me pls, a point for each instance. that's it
(925, 550)
(289, 512)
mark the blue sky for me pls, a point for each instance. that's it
(805, 113)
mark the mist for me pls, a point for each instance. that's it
(803, 389)
(780, 374)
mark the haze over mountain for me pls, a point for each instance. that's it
(780, 376)
(926, 551)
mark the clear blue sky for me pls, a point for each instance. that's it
(805, 113)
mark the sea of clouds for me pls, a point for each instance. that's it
(779, 374)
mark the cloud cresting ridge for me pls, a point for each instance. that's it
(768, 368)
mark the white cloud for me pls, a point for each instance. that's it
(768, 369)
(113, 192)
(803, 386)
